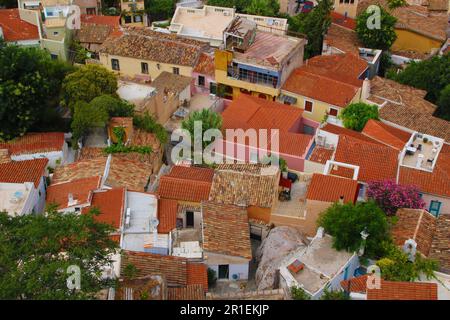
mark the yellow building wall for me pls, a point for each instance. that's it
(407, 40)
(320, 108)
(131, 66)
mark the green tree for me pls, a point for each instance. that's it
(114, 106)
(160, 9)
(30, 83)
(314, 25)
(147, 123)
(376, 38)
(36, 251)
(86, 83)
(444, 103)
(208, 119)
(299, 294)
(396, 266)
(81, 53)
(334, 295)
(345, 222)
(8, 4)
(396, 3)
(356, 115)
(240, 5)
(86, 117)
(263, 7)
(431, 75)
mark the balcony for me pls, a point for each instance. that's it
(252, 77)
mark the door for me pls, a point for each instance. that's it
(435, 207)
(224, 270)
(189, 219)
(256, 233)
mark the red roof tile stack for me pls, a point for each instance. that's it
(23, 171)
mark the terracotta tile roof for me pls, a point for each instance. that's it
(23, 171)
(321, 155)
(393, 290)
(93, 33)
(130, 173)
(80, 169)
(348, 132)
(87, 153)
(332, 79)
(331, 188)
(35, 143)
(343, 21)
(197, 274)
(167, 81)
(142, 43)
(251, 112)
(190, 292)
(167, 215)
(386, 134)
(205, 65)
(440, 247)
(376, 162)
(185, 187)
(113, 21)
(243, 185)
(226, 230)
(344, 39)
(436, 182)
(81, 189)
(174, 269)
(416, 224)
(407, 107)
(16, 29)
(111, 205)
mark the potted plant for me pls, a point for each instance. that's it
(425, 140)
(284, 168)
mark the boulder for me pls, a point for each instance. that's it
(280, 242)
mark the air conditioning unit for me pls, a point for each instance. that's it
(235, 276)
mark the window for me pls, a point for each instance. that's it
(333, 112)
(144, 67)
(137, 18)
(435, 207)
(158, 66)
(189, 219)
(176, 70)
(55, 33)
(224, 270)
(115, 64)
(308, 106)
(201, 81)
(213, 88)
(127, 19)
(90, 11)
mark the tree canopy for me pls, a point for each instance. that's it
(356, 115)
(30, 83)
(263, 7)
(240, 5)
(431, 75)
(208, 119)
(85, 117)
(87, 83)
(373, 36)
(391, 196)
(345, 222)
(314, 25)
(160, 9)
(36, 251)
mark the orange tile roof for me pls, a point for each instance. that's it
(113, 21)
(376, 162)
(331, 188)
(440, 247)
(416, 224)
(392, 290)
(23, 171)
(348, 132)
(16, 29)
(226, 230)
(35, 143)
(174, 269)
(81, 189)
(333, 79)
(111, 205)
(386, 134)
(436, 182)
(344, 39)
(205, 64)
(167, 215)
(189, 292)
(321, 155)
(186, 184)
(79, 169)
(343, 21)
(251, 112)
(197, 274)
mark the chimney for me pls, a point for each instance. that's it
(341, 199)
(365, 90)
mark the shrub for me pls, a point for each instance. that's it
(299, 294)
(212, 277)
(356, 115)
(334, 295)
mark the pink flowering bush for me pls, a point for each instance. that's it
(391, 196)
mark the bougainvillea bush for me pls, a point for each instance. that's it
(391, 196)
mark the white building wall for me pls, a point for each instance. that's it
(241, 270)
(52, 157)
(445, 206)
